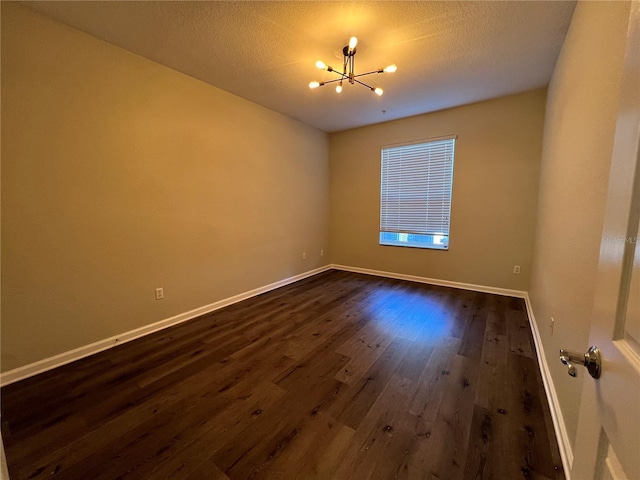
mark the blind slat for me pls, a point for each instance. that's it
(415, 192)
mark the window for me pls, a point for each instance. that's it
(415, 194)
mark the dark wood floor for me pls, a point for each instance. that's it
(339, 376)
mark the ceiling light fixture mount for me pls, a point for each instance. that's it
(348, 67)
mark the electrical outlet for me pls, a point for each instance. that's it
(516, 269)
(322, 253)
(552, 324)
(304, 255)
(159, 293)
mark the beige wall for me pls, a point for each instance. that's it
(578, 140)
(494, 192)
(120, 175)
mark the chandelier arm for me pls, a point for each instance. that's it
(341, 75)
(333, 81)
(369, 73)
(364, 84)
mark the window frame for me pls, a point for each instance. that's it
(403, 227)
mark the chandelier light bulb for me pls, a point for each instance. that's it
(338, 88)
(390, 69)
(314, 84)
(353, 41)
(378, 91)
(321, 65)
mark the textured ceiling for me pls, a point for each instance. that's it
(447, 53)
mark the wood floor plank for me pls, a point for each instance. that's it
(319, 431)
(519, 333)
(208, 470)
(95, 409)
(354, 405)
(431, 387)
(200, 435)
(451, 427)
(472, 341)
(382, 440)
(329, 457)
(312, 334)
(493, 383)
(338, 376)
(530, 443)
(273, 436)
(482, 454)
(364, 352)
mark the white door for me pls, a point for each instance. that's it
(608, 442)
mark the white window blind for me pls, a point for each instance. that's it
(415, 192)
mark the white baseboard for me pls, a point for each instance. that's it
(434, 281)
(41, 366)
(566, 452)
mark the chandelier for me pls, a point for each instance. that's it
(348, 74)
